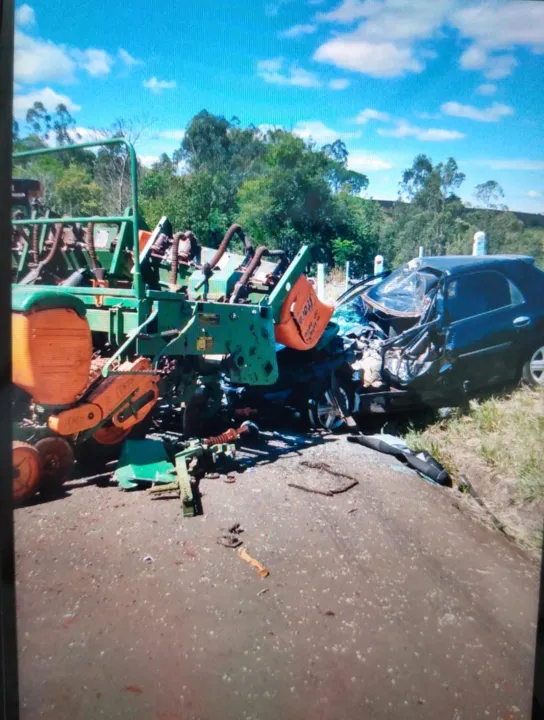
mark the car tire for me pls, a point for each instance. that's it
(533, 370)
(320, 412)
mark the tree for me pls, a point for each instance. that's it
(340, 177)
(63, 124)
(433, 218)
(291, 203)
(39, 120)
(77, 193)
(489, 194)
(206, 143)
(192, 202)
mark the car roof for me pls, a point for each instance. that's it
(453, 264)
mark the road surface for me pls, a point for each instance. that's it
(384, 601)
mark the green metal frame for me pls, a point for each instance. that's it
(138, 284)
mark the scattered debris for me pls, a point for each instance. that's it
(352, 511)
(148, 559)
(143, 461)
(421, 461)
(262, 592)
(230, 541)
(236, 529)
(229, 478)
(230, 536)
(263, 572)
(329, 613)
(321, 484)
(133, 689)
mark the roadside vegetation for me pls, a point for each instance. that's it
(498, 445)
(283, 191)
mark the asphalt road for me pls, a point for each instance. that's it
(385, 601)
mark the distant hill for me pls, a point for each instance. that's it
(528, 219)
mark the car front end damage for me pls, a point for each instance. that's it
(393, 324)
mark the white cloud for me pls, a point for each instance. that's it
(500, 66)
(347, 12)
(272, 8)
(41, 61)
(381, 60)
(474, 58)
(494, 67)
(384, 35)
(266, 127)
(47, 96)
(272, 71)
(25, 16)
(490, 114)
(534, 194)
(383, 42)
(369, 114)
(298, 30)
(126, 58)
(499, 26)
(361, 161)
(493, 27)
(514, 164)
(486, 89)
(157, 86)
(428, 116)
(339, 84)
(403, 129)
(95, 62)
(148, 160)
(318, 132)
(172, 134)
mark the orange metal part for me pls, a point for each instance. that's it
(112, 393)
(303, 317)
(143, 237)
(51, 354)
(75, 420)
(110, 435)
(27, 470)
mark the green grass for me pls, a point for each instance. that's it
(504, 434)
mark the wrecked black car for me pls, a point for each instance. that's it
(433, 333)
(442, 329)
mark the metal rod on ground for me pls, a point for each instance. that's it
(321, 281)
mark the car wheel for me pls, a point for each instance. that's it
(323, 412)
(533, 370)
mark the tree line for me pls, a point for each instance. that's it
(284, 191)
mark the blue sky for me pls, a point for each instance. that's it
(392, 78)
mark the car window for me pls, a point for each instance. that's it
(477, 293)
(516, 296)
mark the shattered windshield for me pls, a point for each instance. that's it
(404, 291)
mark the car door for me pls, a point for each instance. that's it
(482, 315)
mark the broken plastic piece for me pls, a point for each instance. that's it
(263, 572)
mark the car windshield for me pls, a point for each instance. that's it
(404, 291)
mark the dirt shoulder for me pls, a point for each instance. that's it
(498, 445)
